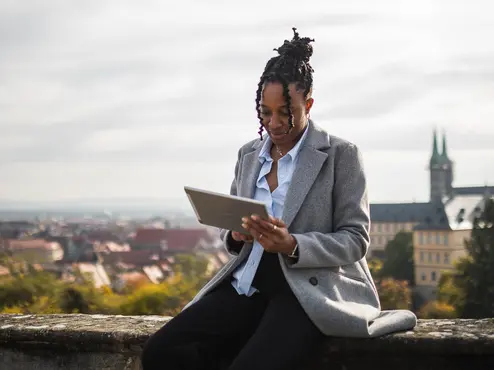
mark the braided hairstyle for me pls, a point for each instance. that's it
(290, 66)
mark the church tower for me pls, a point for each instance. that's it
(437, 179)
(448, 168)
(441, 171)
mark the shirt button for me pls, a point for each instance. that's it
(313, 281)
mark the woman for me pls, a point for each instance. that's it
(302, 274)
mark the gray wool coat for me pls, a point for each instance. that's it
(327, 211)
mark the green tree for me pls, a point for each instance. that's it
(449, 291)
(85, 298)
(192, 268)
(476, 271)
(72, 300)
(398, 261)
(191, 265)
(23, 290)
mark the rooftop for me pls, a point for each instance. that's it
(462, 209)
(400, 212)
(456, 213)
(474, 190)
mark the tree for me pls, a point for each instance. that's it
(24, 290)
(437, 310)
(192, 268)
(398, 262)
(375, 267)
(72, 300)
(30, 291)
(394, 294)
(476, 271)
(449, 292)
(167, 298)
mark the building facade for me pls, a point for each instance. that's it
(439, 226)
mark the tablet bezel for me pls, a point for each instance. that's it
(228, 208)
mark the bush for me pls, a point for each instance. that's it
(437, 310)
(394, 294)
(42, 292)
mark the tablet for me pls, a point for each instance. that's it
(223, 210)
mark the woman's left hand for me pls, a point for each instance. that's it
(272, 234)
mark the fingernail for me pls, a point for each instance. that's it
(244, 219)
(244, 226)
(254, 217)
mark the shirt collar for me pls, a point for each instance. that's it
(265, 153)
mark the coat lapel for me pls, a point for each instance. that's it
(310, 162)
(250, 171)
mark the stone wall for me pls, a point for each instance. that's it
(76, 342)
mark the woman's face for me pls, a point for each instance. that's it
(274, 113)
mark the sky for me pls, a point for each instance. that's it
(130, 100)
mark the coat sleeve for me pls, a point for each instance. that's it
(232, 246)
(349, 241)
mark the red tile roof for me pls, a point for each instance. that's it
(176, 239)
(149, 236)
(186, 239)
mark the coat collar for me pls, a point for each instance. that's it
(317, 138)
(311, 159)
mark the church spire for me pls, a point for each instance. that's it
(445, 151)
(435, 158)
(441, 171)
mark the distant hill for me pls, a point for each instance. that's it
(127, 206)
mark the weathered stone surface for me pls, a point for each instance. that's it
(114, 342)
(79, 332)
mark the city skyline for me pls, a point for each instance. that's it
(125, 100)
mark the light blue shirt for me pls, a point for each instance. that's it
(275, 201)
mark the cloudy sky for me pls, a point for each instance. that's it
(126, 99)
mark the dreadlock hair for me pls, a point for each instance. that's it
(290, 66)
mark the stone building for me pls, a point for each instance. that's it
(439, 226)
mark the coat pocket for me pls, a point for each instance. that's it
(350, 277)
(340, 287)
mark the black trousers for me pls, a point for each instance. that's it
(225, 330)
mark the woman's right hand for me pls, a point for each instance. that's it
(239, 237)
